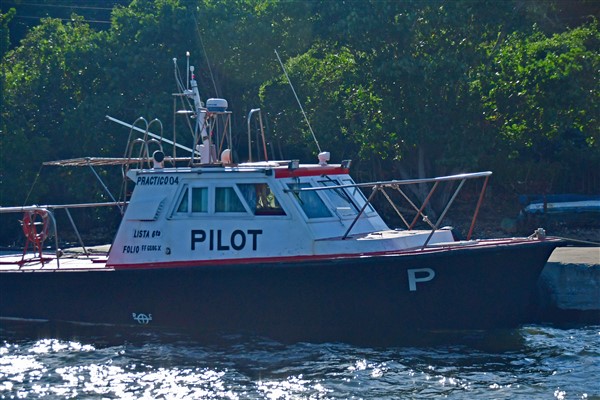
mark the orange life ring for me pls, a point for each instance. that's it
(35, 225)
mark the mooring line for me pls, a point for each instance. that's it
(590, 243)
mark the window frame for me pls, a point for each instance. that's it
(240, 198)
(211, 211)
(294, 185)
(254, 210)
(339, 198)
(359, 198)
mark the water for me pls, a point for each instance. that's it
(534, 362)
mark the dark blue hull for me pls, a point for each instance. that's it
(363, 299)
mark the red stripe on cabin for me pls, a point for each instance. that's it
(316, 170)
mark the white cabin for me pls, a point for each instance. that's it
(215, 213)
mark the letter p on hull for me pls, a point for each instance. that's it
(419, 275)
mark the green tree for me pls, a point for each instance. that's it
(331, 87)
(239, 39)
(5, 18)
(542, 97)
(405, 88)
(47, 78)
(405, 99)
(29, 14)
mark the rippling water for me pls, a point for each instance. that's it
(532, 362)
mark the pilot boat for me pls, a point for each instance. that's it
(275, 248)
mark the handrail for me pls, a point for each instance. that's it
(381, 185)
(425, 202)
(470, 175)
(262, 132)
(155, 136)
(49, 209)
(59, 206)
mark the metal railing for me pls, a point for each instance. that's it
(48, 210)
(397, 185)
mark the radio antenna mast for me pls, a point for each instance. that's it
(298, 100)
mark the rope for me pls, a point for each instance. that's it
(578, 241)
(33, 184)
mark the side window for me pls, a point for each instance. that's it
(339, 198)
(197, 197)
(358, 196)
(260, 199)
(183, 203)
(227, 200)
(311, 203)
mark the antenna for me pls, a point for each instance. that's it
(212, 77)
(187, 69)
(298, 100)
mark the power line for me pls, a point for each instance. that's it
(63, 19)
(57, 6)
(70, 7)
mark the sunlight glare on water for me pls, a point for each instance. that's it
(533, 362)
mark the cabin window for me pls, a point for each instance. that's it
(340, 199)
(261, 199)
(227, 200)
(199, 199)
(183, 204)
(358, 195)
(311, 203)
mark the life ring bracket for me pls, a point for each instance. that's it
(36, 226)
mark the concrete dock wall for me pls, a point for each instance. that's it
(569, 286)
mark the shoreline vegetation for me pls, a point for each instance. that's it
(404, 89)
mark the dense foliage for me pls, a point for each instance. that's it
(406, 88)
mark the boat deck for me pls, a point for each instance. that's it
(74, 261)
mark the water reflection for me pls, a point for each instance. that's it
(532, 362)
